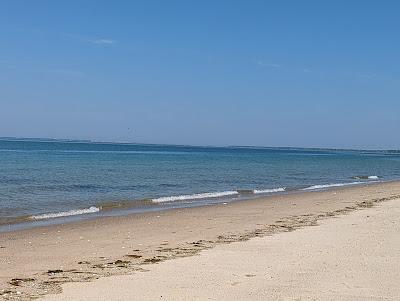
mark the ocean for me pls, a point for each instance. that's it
(56, 181)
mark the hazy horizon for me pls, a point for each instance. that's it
(309, 74)
(77, 140)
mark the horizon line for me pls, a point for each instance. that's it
(65, 140)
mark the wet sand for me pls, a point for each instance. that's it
(36, 262)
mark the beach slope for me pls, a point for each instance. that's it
(353, 257)
(39, 261)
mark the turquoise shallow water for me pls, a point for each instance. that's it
(38, 178)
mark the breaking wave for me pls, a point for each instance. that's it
(65, 213)
(366, 177)
(194, 196)
(282, 189)
(209, 195)
(315, 187)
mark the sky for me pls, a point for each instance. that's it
(263, 73)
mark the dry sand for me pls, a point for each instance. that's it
(354, 257)
(38, 261)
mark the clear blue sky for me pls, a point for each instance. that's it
(271, 73)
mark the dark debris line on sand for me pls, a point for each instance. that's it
(51, 281)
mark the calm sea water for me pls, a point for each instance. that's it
(39, 179)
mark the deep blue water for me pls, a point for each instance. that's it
(48, 177)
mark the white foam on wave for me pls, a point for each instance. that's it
(194, 196)
(314, 187)
(281, 189)
(66, 213)
(366, 177)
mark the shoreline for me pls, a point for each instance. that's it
(41, 259)
(126, 208)
(352, 257)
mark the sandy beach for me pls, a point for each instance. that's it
(354, 257)
(247, 250)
